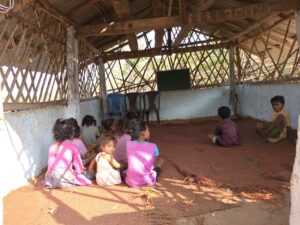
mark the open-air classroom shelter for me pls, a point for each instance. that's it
(61, 59)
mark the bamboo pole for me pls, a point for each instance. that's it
(295, 180)
(233, 101)
(103, 90)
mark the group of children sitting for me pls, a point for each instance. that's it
(122, 151)
(226, 133)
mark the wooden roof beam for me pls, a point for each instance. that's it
(49, 9)
(82, 7)
(185, 30)
(158, 7)
(193, 19)
(122, 9)
(269, 28)
(154, 52)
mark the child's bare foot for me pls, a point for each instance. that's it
(211, 136)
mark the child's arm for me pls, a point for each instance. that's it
(77, 162)
(218, 131)
(158, 161)
(92, 165)
(279, 121)
(114, 163)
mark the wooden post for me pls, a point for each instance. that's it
(232, 100)
(2, 133)
(73, 75)
(295, 179)
(102, 88)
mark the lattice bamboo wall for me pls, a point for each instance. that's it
(32, 59)
(207, 68)
(272, 55)
(89, 80)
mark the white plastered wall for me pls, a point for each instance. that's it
(189, 104)
(25, 140)
(254, 100)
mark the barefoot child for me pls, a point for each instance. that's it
(90, 130)
(122, 139)
(275, 130)
(65, 167)
(143, 164)
(107, 173)
(226, 134)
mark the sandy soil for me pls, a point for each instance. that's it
(200, 184)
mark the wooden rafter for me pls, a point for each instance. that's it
(193, 19)
(250, 28)
(122, 9)
(154, 52)
(158, 7)
(170, 5)
(201, 6)
(48, 8)
(269, 28)
(82, 7)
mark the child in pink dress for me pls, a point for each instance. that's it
(122, 138)
(65, 167)
(143, 164)
(87, 154)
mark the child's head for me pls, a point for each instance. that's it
(140, 130)
(88, 120)
(224, 112)
(109, 124)
(277, 103)
(62, 130)
(76, 128)
(122, 126)
(132, 115)
(108, 144)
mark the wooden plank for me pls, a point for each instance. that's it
(232, 100)
(122, 9)
(154, 52)
(158, 7)
(250, 28)
(52, 11)
(269, 28)
(211, 16)
(170, 6)
(297, 18)
(81, 8)
(182, 11)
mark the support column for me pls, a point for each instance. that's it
(72, 75)
(2, 126)
(102, 88)
(295, 179)
(233, 98)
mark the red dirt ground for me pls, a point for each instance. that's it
(200, 184)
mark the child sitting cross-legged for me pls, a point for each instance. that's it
(226, 133)
(108, 169)
(275, 130)
(122, 138)
(143, 164)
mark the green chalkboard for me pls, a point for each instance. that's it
(171, 80)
